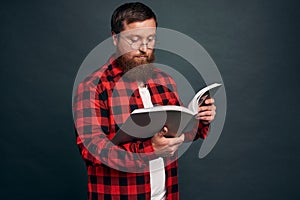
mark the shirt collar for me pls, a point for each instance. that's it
(116, 70)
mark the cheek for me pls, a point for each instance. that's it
(150, 51)
(132, 54)
(128, 53)
(121, 50)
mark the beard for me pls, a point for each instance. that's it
(135, 68)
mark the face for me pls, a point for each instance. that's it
(135, 45)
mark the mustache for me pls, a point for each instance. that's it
(137, 69)
(142, 55)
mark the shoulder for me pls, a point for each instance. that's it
(162, 78)
(103, 77)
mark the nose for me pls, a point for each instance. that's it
(144, 47)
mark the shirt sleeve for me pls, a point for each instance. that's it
(92, 123)
(200, 130)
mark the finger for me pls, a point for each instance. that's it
(206, 118)
(163, 131)
(206, 113)
(208, 107)
(175, 141)
(205, 108)
(209, 101)
(209, 116)
(182, 137)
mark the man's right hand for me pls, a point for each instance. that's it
(165, 147)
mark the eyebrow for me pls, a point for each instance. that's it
(132, 35)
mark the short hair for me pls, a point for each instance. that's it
(129, 13)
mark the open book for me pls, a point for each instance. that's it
(145, 122)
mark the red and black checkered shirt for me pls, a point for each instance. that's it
(103, 101)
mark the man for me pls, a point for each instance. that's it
(145, 168)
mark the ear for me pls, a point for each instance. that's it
(115, 38)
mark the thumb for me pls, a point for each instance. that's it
(165, 129)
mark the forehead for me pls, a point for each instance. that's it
(143, 28)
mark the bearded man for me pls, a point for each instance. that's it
(144, 168)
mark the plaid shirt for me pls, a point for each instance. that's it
(104, 100)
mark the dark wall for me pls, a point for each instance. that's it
(255, 45)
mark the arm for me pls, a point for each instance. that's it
(91, 116)
(206, 114)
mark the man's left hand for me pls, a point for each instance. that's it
(207, 112)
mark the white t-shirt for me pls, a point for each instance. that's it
(157, 168)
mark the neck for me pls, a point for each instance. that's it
(141, 84)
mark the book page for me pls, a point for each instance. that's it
(202, 95)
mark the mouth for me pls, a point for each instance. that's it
(141, 56)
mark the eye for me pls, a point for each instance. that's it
(151, 38)
(134, 39)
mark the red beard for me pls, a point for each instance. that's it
(137, 69)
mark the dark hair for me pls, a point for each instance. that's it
(129, 13)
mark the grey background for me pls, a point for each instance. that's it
(255, 45)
